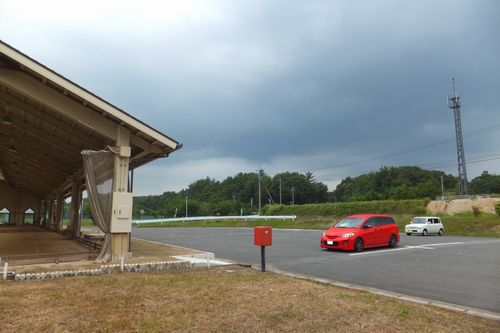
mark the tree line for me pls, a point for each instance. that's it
(239, 194)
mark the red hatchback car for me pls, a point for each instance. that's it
(358, 232)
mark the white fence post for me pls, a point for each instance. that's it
(5, 268)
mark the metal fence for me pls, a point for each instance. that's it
(216, 218)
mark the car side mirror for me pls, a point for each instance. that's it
(367, 226)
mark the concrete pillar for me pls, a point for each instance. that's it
(76, 199)
(18, 214)
(120, 241)
(44, 212)
(50, 211)
(59, 212)
(38, 214)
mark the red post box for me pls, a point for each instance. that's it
(263, 236)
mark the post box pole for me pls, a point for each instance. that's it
(263, 258)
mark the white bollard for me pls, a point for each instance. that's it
(121, 263)
(208, 259)
(5, 268)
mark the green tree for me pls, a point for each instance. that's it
(485, 184)
(406, 182)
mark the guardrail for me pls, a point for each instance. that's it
(216, 218)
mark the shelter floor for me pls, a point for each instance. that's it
(31, 242)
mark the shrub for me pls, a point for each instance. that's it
(414, 207)
(497, 209)
(476, 211)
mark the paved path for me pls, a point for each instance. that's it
(459, 270)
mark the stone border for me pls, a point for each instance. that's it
(105, 269)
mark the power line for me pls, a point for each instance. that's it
(430, 145)
(434, 165)
(476, 132)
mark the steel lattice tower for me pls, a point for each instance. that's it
(454, 103)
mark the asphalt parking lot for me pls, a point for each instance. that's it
(458, 270)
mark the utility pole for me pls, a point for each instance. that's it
(454, 104)
(442, 188)
(259, 194)
(280, 191)
(187, 206)
(293, 197)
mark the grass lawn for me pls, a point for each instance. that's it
(225, 299)
(485, 225)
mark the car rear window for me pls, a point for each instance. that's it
(385, 220)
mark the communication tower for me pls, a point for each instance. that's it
(454, 104)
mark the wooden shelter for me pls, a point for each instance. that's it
(46, 121)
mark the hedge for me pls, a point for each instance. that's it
(413, 207)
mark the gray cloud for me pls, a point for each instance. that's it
(287, 84)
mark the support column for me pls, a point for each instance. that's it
(18, 215)
(59, 213)
(48, 223)
(45, 208)
(76, 199)
(120, 240)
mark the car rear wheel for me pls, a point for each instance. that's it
(440, 233)
(393, 241)
(359, 245)
(424, 233)
(408, 233)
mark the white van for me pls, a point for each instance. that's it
(425, 225)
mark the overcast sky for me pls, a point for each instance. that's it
(337, 88)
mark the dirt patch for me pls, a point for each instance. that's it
(458, 206)
(225, 299)
(143, 250)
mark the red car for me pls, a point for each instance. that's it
(358, 232)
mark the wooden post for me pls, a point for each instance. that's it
(120, 241)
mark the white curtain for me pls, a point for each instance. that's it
(99, 169)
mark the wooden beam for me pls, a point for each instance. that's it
(41, 159)
(64, 106)
(41, 114)
(53, 100)
(42, 143)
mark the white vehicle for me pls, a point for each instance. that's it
(425, 225)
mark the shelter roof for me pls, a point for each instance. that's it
(46, 120)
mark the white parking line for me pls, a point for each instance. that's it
(408, 247)
(439, 244)
(425, 247)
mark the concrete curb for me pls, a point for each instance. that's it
(414, 299)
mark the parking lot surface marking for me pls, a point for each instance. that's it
(407, 247)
